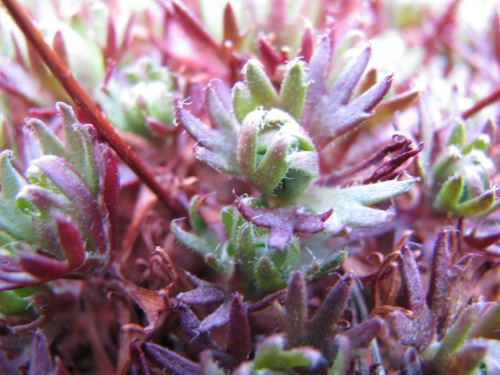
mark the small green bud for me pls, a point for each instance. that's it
(275, 154)
(462, 183)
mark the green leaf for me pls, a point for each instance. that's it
(216, 146)
(457, 136)
(349, 204)
(481, 142)
(243, 240)
(449, 194)
(12, 304)
(242, 101)
(268, 277)
(51, 145)
(477, 206)
(80, 141)
(199, 245)
(293, 89)
(343, 358)
(271, 355)
(261, 89)
(455, 337)
(13, 221)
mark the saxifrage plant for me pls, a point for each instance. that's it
(303, 216)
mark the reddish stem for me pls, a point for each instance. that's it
(495, 95)
(83, 101)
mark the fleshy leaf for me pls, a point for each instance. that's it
(13, 222)
(329, 313)
(283, 222)
(217, 145)
(295, 314)
(275, 154)
(272, 356)
(238, 336)
(467, 359)
(168, 361)
(267, 275)
(293, 90)
(343, 357)
(204, 293)
(457, 335)
(349, 204)
(332, 115)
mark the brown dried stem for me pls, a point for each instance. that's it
(491, 98)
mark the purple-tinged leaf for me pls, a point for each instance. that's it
(38, 202)
(203, 293)
(295, 314)
(440, 284)
(238, 335)
(138, 362)
(7, 367)
(488, 325)
(369, 79)
(415, 326)
(218, 102)
(328, 116)
(318, 70)
(71, 242)
(343, 358)
(230, 29)
(306, 45)
(412, 283)
(109, 189)
(42, 266)
(467, 359)
(362, 334)
(188, 325)
(269, 57)
(40, 358)
(389, 107)
(341, 90)
(194, 28)
(329, 313)
(457, 335)
(216, 146)
(68, 181)
(283, 223)
(334, 122)
(168, 361)
(481, 242)
(218, 318)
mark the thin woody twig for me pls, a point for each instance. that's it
(492, 97)
(62, 73)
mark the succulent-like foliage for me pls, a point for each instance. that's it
(58, 218)
(461, 176)
(302, 243)
(441, 325)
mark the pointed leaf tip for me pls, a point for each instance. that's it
(283, 222)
